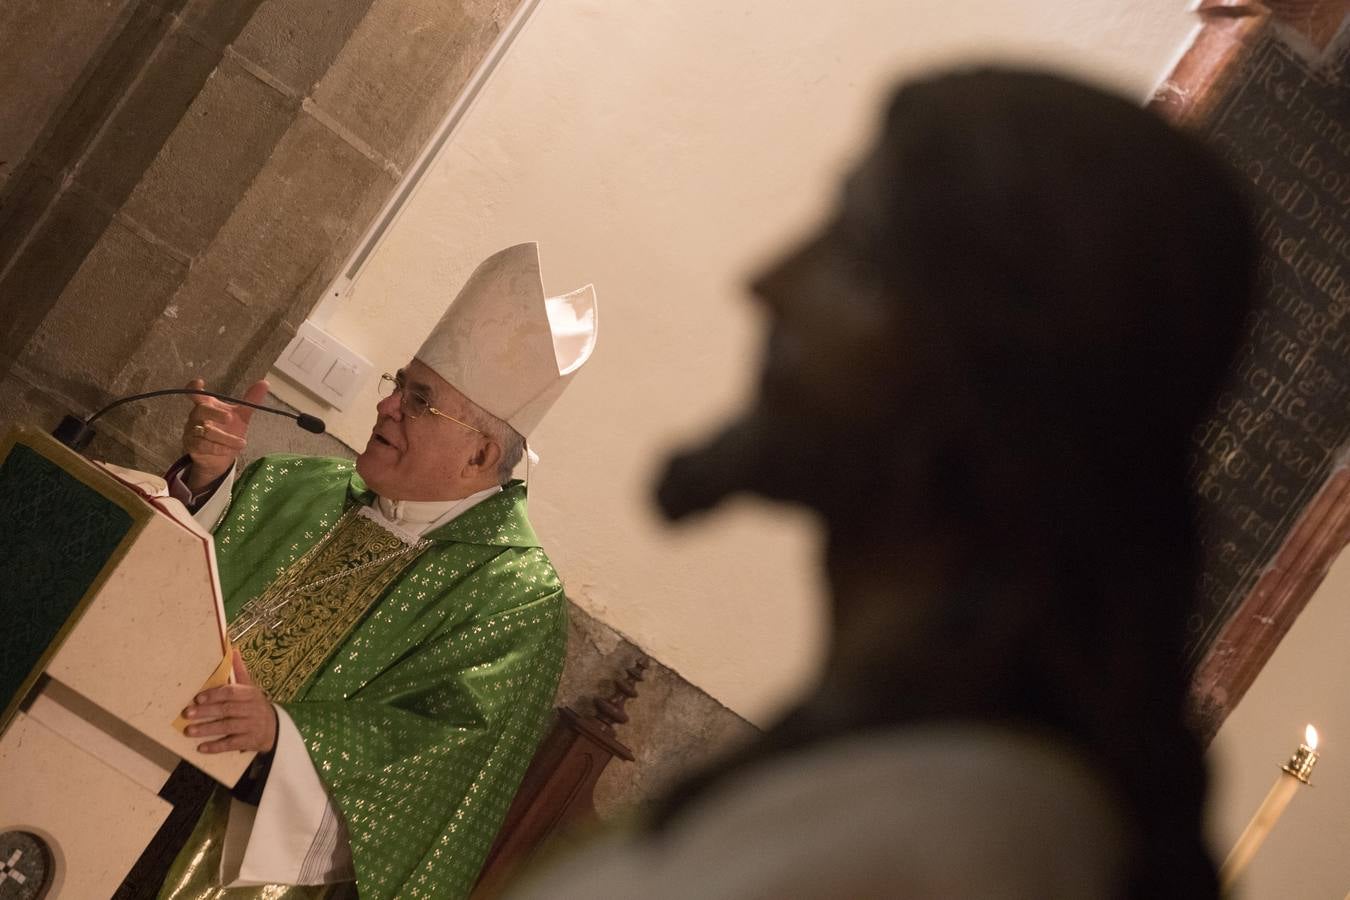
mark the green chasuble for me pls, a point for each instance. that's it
(418, 677)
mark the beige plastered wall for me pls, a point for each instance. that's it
(662, 150)
(1308, 852)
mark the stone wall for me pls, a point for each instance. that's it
(180, 179)
(674, 729)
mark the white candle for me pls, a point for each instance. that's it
(1292, 774)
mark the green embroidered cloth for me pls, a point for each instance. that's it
(423, 720)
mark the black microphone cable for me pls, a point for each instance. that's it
(77, 433)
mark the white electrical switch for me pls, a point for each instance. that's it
(307, 354)
(341, 377)
(323, 365)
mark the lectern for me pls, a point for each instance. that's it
(110, 621)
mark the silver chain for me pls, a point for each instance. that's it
(270, 612)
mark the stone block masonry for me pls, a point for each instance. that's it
(187, 175)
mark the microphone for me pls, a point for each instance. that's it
(76, 433)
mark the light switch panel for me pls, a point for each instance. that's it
(323, 365)
(341, 377)
(308, 355)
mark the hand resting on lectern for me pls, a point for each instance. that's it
(239, 715)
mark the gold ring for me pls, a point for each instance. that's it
(199, 430)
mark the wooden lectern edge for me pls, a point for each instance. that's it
(95, 478)
(167, 506)
(139, 508)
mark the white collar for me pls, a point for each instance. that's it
(410, 519)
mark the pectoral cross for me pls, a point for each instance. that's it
(269, 619)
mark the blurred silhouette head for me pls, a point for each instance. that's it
(1020, 265)
(984, 372)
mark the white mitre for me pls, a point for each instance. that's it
(507, 347)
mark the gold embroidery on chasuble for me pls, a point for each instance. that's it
(285, 635)
(289, 630)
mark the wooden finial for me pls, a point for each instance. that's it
(611, 712)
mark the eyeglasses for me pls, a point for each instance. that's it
(412, 403)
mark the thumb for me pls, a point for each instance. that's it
(240, 670)
(256, 393)
(198, 384)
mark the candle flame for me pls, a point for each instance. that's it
(1310, 737)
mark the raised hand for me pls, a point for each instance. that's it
(215, 432)
(239, 716)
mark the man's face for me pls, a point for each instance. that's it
(422, 458)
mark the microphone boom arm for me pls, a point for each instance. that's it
(77, 433)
